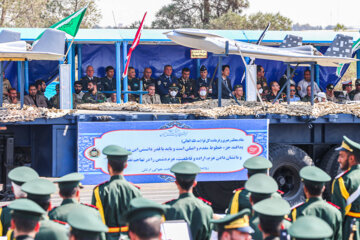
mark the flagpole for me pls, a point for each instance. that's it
(67, 52)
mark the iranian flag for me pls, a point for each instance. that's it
(355, 47)
(70, 25)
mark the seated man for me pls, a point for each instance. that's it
(203, 94)
(187, 86)
(131, 97)
(33, 99)
(133, 81)
(151, 97)
(147, 79)
(112, 98)
(40, 86)
(303, 84)
(239, 93)
(260, 75)
(78, 95)
(165, 80)
(293, 96)
(307, 97)
(347, 88)
(320, 97)
(55, 100)
(107, 83)
(355, 93)
(12, 97)
(6, 86)
(172, 98)
(203, 80)
(93, 96)
(88, 77)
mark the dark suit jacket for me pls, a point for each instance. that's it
(225, 91)
(85, 80)
(40, 101)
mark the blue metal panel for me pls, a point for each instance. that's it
(1, 82)
(21, 76)
(79, 59)
(197, 68)
(219, 86)
(118, 71)
(358, 64)
(317, 74)
(26, 76)
(125, 80)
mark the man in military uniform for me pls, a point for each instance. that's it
(88, 77)
(107, 83)
(330, 96)
(147, 79)
(226, 90)
(18, 177)
(187, 86)
(271, 216)
(187, 207)
(165, 80)
(113, 197)
(85, 225)
(314, 180)
(240, 199)
(203, 80)
(6, 86)
(26, 215)
(93, 95)
(39, 191)
(346, 186)
(260, 75)
(239, 92)
(172, 98)
(234, 226)
(261, 187)
(133, 81)
(310, 227)
(144, 219)
(355, 94)
(55, 100)
(203, 94)
(347, 88)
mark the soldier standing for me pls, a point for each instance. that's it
(310, 227)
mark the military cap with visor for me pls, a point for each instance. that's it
(357, 82)
(203, 68)
(185, 170)
(314, 175)
(330, 86)
(86, 222)
(349, 146)
(272, 208)
(257, 165)
(20, 175)
(261, 184)
(310, 227)
(70, 181)
(348, 82)
(116, 153)
(174, 86)
(141, 208)
(26, 208)
(39, 189)
(239, 221)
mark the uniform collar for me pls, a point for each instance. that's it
(357, 166)
(184, 195)
(314, 199)
(24, 237)
(115, 177)
(68, 200)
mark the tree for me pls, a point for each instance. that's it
(259, 20)
(339, 27)
(195, 13)
(44, 13)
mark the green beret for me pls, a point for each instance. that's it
(185, 170)
(261, 184)
(310, 227)
(86, 222)
(239, 221)
(70, 180)
(20, 175)
(257, 165)
(116, 153)
(141, 208)
(39, 188)
(349, 145)
(275, 208)
(314, 175)
(26, 208)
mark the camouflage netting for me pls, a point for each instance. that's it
(209, 108)
(13, 113)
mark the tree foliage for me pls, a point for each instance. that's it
(44, 13)
(195, 13)
(339, 27)
(259, 20)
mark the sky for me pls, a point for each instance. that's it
(314, 12)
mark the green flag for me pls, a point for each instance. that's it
(355, 47)
(70, 25)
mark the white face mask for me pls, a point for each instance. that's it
(202, 93)
(173, 93)
(260, 90)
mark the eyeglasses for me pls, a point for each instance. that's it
(292, 90)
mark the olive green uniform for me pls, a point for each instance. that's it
(51, 230)
(195, 212)
(97, 98)
(61, 212)
(318, 207)
(112, 198)
(170, 100)
(5, 220)
(343, 186)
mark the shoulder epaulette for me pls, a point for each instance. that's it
(280, 192)
(205, 201)
(334, 205)
(4, 206)
(238, 189)
(169, 201)
(287, 219)
(90, 205)
(101, 183)
(61, 222)
(297, 205)
(135, 185)
(341, 174)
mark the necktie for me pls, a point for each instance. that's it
(152, 99)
